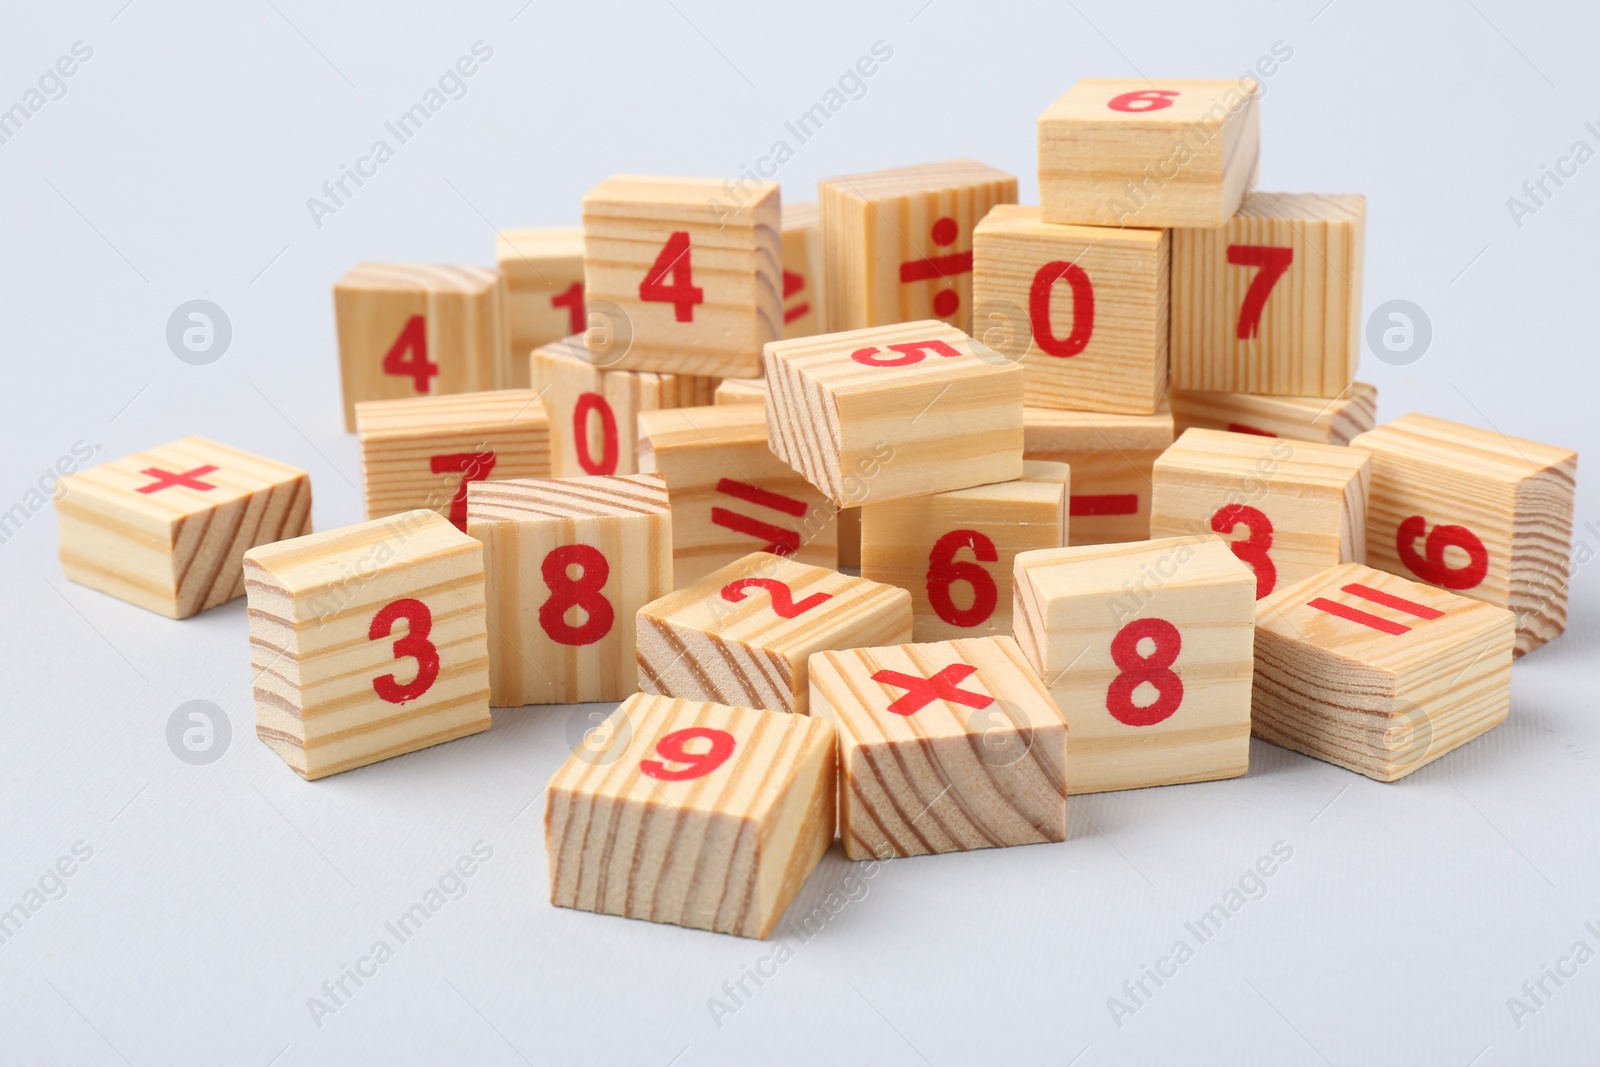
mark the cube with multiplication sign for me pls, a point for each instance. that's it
(543, 270)
(1112, 457)
(418, 329)
(1333, 421)
(804, 307)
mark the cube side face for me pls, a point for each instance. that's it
(1541, 547)
(543, 270)
(1297, 418)
(589, 435)
(1112, 462)
(804, 303)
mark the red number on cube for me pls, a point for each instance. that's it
(695, 764)
(415, 645)
(610, 451)
(1143, 100)
(1156, 668)
(910, 352)
(582, 592)
(783, 602)
(571, 298)
(944, 571)
(1432, 567)
(473, 467)
(412, 343)
(682, 293)
(1273, 262)
(1044, 282)
(1251, 550)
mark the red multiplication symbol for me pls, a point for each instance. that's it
(582, 592)
(1044, 283)
(1252, 550)
(1156, 669)
(1273, 262)
(166, 479)
(1376, 596)
(1091, 504)
(1143, 100)
(792, 284)
(949, 265)
(783, 601)
(695, 764)
(415, 644)
(473, 467)
(782, 541)
(1432, 567)
(911, 352)
(610, 451)
(408, 356)
(681, 293)
(944, 571)
(571, 298)
(1239, 427)
(944, 685)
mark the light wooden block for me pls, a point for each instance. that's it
(742, 634)
(1476, 512)
(165, 529)
(954, 551)
(1378, 674)
(424, 452)
(896, 411)
(691, 813)
(1288, 509)
(1112, 457)
(1132, 152)
(1271, 302)
(594, 412)
(691, 269)
(804, 303)
(1083, 307)
(898, 242)
(367, 641)
(543, 270)
(943, 747)
(1300, 418)
(1147, 650)
(730, 495)
(741, 391)
(419, 329)
(569, 562)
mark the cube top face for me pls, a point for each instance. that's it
(1301, 418)
(884, 360)
(417, 277)
(1233, 456)
(673, 430)
(1039, 495)
(742, 391)
(1486, 453)
(800, 215)
(1083, 587)
(520, 500)
(669, 197)
(1052, 430)
(422, 417)
(520, 252)
(892, 183)
(1139, 104)
(160, 486)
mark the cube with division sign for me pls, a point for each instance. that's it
(543, 269)
(1327, 421)
(1112, 457)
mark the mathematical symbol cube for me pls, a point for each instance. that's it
(569, 562)
(1270, 302)
(898, 242)
(367, 641)
(730, 495)
(804, 306)
(1146, 648)
(1378, 674)
(543, 270)
(1084, 307)
(1290, 509)
(165, 529)
(594, 412)
(1476, 512)
(425, 451)
(1112, 457)
(919, 405)
(943, 747)
(417, 329)
(686, 273)
(1300, 418)
(701, 815)
(1130, 152)
(954, 551)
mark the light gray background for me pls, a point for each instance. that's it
(220, 897)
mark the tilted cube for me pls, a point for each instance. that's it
(1112, 457)
(1301, 418)
(543, 270)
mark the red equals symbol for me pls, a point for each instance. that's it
(946, 301)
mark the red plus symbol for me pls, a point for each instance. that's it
(945, 232)
(187, 479)
(920, 692)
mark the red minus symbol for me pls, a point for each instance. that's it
(1105, 504)
(936, 267)
(1239, 427)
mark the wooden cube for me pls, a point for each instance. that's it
(898, 242)
(742, 634)
(1147, 650)
(367, 641)
(594, 412)
(165, 529)
(424, 452)
(804, 305)
(543, 270)
(1289, 509)
(1476, 512)
(895, 411)
(955, 550)
(1271, 302)
(1376, 673)
(1112, 457)
(1131, 152)
(741, 391)
(1300, 418)
(569, 562)
(730, 495)
(418, 329)
(695, 814)
(691, 270)
(1083, 307)
(943, 747)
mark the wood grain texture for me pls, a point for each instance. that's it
(421, 452)
(543, 269)
(1308, 338)
(734, 253)
(1288, 509)
(1132, 724)
(176, 548)
(804, 301)
(1187, 162)
(735, 638)
(865, 420)
(1083, 307)
(1505, 502)
(725, 851)
(898, 242)
(1424, 673)
(1112, 457)
(730, 495)
(741, 391)
(985, 770)
(463, 312)
(954, 551)
(627, 524)
(339, 683)
(1300, 418)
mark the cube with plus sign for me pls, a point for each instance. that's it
(166, 528)
(943, 747)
